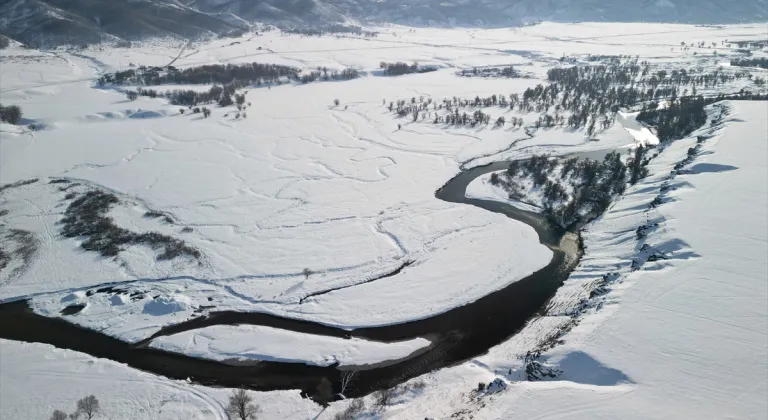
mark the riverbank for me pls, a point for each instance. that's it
(456, 335)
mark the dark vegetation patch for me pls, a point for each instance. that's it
(684, 115)
(153, 214)
(508, 72)
(17, 244)
(399, 68)
(580, 190)
(59, 181)
(225, 78)
(10, 114)
(332, 29)
(86, 217)
(5, 258)
(586, 96)
(17, 184)
(69, 186)
(135, 295)
(608, 59)
(750, 62)
(536, 370)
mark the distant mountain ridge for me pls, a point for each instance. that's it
(54, 22)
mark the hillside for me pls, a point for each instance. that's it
(56, 22)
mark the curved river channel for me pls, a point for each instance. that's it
(456, 335)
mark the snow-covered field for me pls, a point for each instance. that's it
(303, 198)
(249, 342)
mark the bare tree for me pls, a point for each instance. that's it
(346, 379)
(241, 406)
(88, 407)
(59, 415)
(307, 272)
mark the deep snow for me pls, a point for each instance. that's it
(252, 342)
(301, 184)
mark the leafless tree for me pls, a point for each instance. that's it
(88, 407)
(307, 272)
(241, 406)
(59, 415)
(346, 379)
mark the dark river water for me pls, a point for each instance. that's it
(456, 335)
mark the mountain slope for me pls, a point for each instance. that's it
(504, 11)
(53, 22)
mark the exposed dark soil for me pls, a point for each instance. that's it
(72, 309)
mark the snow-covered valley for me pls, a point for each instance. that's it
(327, 213)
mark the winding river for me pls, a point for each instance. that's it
(456, 335)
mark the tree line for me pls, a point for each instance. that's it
(573, 189)
(508, 72)
(399, 68)
(750, 62)
(238, 75)
(587, 96)
(201, 75)
(330, 29)
(683, 115)
(226, 79)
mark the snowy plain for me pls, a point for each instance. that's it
(340, 191)
(251, 342)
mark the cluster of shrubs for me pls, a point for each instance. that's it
(750, 62)
(324, 75)
(400, 68)
(10, 114)
(330, 29)
(508, 72)
(86, 217)
(421, 110)
(222, 95)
